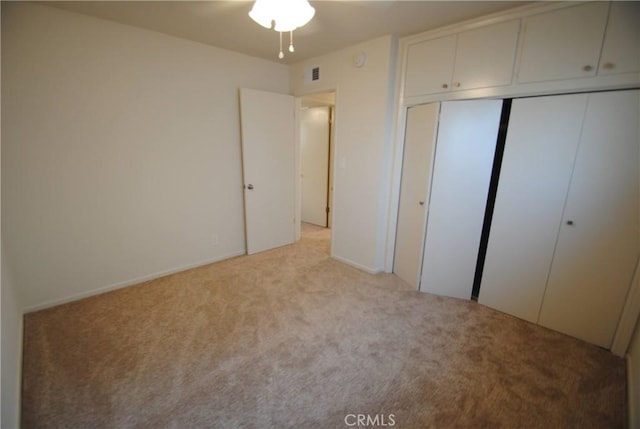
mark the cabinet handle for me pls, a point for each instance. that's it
(587, 68)
(569, 222)
(421, 203)
(457, 84)
(608, 66)
(445, 86)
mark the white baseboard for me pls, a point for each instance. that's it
(126, 283)
(358, 266)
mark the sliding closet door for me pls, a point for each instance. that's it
(419, 143)
(540, 149)
(465, 149)
(598, 243)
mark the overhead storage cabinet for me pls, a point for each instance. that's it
(572, 42)
(562, 44)
(621, 49)
(473, 59)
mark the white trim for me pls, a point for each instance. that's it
(586, 84)
(297, 220)
(396, 150)
(126, 283)
(358, 266)
(629, 317)
(633, 403)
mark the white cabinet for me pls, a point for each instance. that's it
(429, 66)
(543, 48)
(564, 237)
(562, 44)
(465, 150)
(621, 49)
(485, 57)
(478, 58)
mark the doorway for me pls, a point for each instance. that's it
(316, 158)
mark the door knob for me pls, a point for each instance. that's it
(249, 186)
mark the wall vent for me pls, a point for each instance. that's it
(312, 74)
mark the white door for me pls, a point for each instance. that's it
(598, 243)
(465, 149)
(268, 161)
(541, 145)
(419, 144)
(314, 151)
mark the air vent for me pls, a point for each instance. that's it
(312, 74)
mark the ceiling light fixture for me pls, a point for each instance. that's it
(286, 14)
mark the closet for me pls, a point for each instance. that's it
(565, 233)
(533, 208)
(419, 145)
(447, 164)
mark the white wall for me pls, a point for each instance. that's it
(633, 377)
(362, 161)
(120, 151)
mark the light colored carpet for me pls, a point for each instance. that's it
(293, 339)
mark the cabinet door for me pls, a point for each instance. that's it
(598, 244)
(621, 50)
(484, 57)
(430, 66)
(465, 149)
(563, 44)
(419, 144)
(539, 152)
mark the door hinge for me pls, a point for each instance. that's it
(327, 209)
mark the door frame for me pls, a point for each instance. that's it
(324, 175)
(332, 159)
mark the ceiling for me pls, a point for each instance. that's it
(336, 24)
